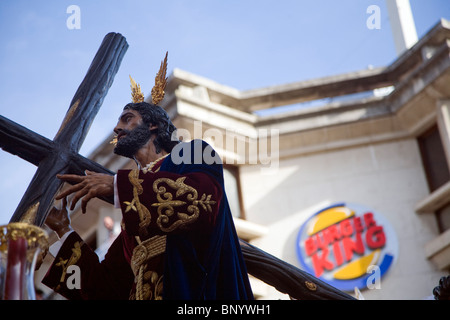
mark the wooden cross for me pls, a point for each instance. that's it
(61, 155)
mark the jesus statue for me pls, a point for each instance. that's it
(177, 240)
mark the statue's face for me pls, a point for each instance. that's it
(132, 133)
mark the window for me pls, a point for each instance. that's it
(433, 158)
(443, 218)
(436, 170)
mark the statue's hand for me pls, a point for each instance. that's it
(89, 186)
(58, 219)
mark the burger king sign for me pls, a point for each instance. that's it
(343, 243)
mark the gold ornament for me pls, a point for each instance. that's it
(136, 93)
(34, 236)
(157, 90)
(160, 82)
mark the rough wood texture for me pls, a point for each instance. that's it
(23, 142)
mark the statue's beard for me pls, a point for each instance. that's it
(134, 140)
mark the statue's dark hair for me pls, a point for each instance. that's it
(155, 115)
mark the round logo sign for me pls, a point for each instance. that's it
(347, 245)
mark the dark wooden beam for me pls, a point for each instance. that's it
(23, 142)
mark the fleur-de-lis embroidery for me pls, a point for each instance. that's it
(166, 203)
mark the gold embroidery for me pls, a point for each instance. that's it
(149, 167)
(130, 205)
(135, 204)
(149, 287)
(64, 264)
(148, 284)
(166, 203)
(146, 250)
(310, 285)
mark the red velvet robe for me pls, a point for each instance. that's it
(154, 204)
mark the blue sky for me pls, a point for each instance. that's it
(245, 44)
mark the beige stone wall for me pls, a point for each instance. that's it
(388, 178)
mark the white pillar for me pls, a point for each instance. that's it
(402, 24)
